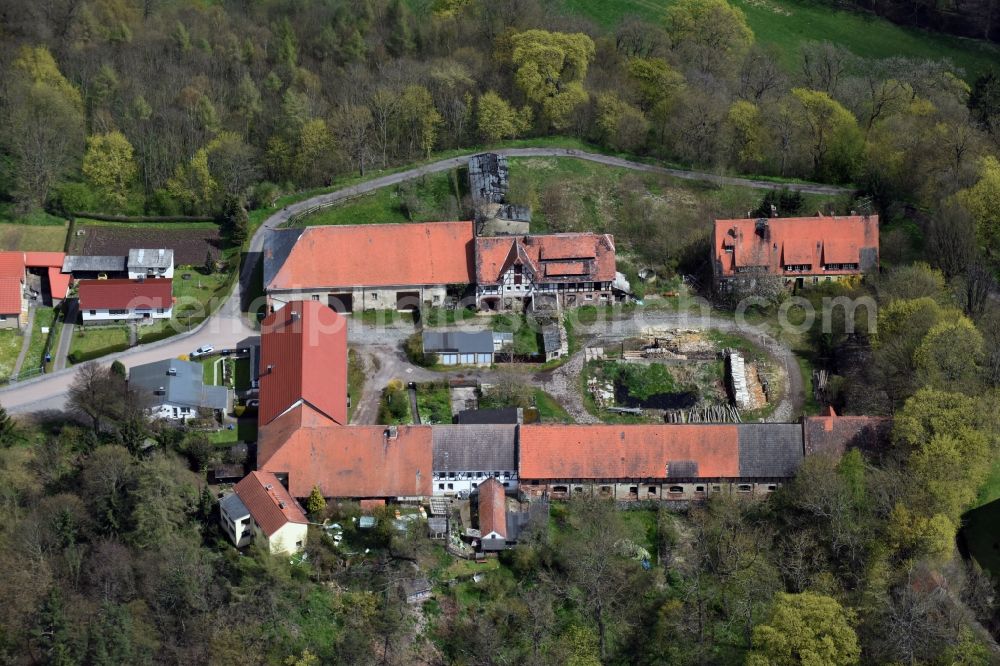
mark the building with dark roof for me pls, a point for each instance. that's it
(81, 267)
(800, 250)
(464, 456)
(488, 178)
(501, 416)
(460, 347)
(176, 389)
(104, 301)
(834, 435)
(264, 509)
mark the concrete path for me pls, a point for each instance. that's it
(66, 334)
(227, 326)
(28, 329)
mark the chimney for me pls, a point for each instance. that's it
(760, 227)
(392, 432)
(172, 372)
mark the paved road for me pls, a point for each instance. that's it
(227, 326)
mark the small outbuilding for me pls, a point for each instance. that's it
(460, 347)
(492, 516)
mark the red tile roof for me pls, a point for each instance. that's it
(374, 255)
(492, 508)
(303, 357)
(552, 257)
(125, 294)
(44, 259)
(10, 296)
(58, 282)
(270, 505)
(346, 461)
(814, 241)
(629, 452)
(12, 265)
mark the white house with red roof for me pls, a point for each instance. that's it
(260, 510)
(104, 301)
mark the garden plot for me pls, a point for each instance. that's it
(191, 243)
(672, 375)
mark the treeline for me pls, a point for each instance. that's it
(174, 108)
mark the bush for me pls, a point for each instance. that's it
(414, 348)
(75, 198)
(264, 195)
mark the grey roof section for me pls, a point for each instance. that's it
(458, 341)
(234, 506)
(869, 258)
(277, 245)
(488, 174)
(550, 338)
(470, 448)
(146, 258)
(108, 264)
(770, 450)
(502, 416)
(176, 382)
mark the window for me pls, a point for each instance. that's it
(374, 296)
(315, 297)
(676, 490)
(451, 486)
(3, 317)
(716, 488)
(772, 487)
(559, 489)
(440, 486)
(589, 297)
(117, 312)
(744, 488)
(159, 310)
(633, 490)
(699, 489)
(651, 490)
(93, 313)
(605, 490)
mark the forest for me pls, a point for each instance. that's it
(111, 549)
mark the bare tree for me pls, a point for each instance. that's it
(824, 66)
(97, 394)
(761, 75)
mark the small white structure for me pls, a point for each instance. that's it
(143, 263)
(738, 380)
(264, 512)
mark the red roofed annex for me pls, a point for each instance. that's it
(303, 360)
(803, 250)
(112, 300)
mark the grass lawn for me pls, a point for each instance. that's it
(210, 371)
(527, 340)
(434, 402)
(33, 237)
(550, 411)
(34, 359)
(433, 197)
(198, 296)
(384, 317)
(91, 342)
(10, 347)
(991, 489)
(785, 24)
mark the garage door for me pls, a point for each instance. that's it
(342, 303)
(407, 300)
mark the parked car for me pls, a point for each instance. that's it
(204, 350)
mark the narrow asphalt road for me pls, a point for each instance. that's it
(227, 326)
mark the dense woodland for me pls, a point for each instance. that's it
(110, 550)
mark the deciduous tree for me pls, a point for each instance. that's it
(109, 165)
(550, 68)
(805, 628)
